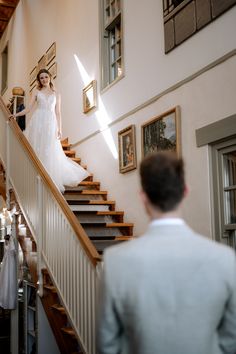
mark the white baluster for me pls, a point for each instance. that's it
(40, 235)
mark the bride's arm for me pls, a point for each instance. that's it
(30, 107)
(58, 115)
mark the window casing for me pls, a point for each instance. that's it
(111, 41)
(4, 69)
(170, 5)
(224, 191)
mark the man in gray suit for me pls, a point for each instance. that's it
(170, 291)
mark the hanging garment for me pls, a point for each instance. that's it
(8, 281)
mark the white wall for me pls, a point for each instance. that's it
(204, 100)
(74, 25)
(46, 340)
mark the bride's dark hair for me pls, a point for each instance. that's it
(44, 71)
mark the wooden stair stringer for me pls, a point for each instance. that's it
(58, 317)
(50, 299)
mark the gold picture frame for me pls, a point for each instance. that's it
(51, 53)
(42, 63)
(127, 149)
(90, 96)
(53, 70)
(162, 133)
(33, 75)
(33, 87)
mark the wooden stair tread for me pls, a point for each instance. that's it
(64, 141)
(76, 159)
(89, 178)
(108, 224)
(50, 287)
(103, 239)
(59, 308)
(93, 202)
(90, 191)
(110, 237)
(110, 213)
(102, 212)
(120, 224)
(69, 152)
(65, 145)
(69, 331)
(85, 192)
(88, 183)
(96, 185)
(124, 238)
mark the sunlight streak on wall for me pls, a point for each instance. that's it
(102, 116)
(110, 142)
(101, 113)
(84, 75)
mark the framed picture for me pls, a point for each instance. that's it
(162, 133)
(90, 96)
(51, 53)
(42, 63)
(127, 149)
(53, 70)
(33, 75)
(32, 87)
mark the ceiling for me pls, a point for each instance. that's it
(7, 8)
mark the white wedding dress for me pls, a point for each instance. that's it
(8, 289)
(42, 135)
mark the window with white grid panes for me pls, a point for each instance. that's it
(229, 187)
(112, 61)
(224, 187)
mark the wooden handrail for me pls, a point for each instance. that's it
(3, 191)
(79, 231)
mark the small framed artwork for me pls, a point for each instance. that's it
(51, 53)
(32, 87)
(90, 96)
(33, 75)
(127, 149)
(162, 133)
(53, 70)
(42, 63)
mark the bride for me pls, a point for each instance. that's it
(44, 134)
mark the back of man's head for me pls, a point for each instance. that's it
(162, 180)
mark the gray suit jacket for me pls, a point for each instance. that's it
(170, 291)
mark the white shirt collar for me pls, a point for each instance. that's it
(167, 221)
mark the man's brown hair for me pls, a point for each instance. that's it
(162, 179)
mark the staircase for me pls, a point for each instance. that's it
(59, 320)
(104, 227)
(96, 213)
